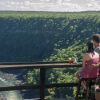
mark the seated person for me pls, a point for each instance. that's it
(89, 58)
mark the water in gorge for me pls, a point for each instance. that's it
(8, 80)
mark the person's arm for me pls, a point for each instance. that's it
(98, 64)
(84, 61)
(93, 66)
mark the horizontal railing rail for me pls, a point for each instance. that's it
(37, 65)
(42, 66)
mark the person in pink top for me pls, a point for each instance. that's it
(89, 58)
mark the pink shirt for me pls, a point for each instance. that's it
(88, 73)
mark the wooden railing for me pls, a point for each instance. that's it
(42, 66)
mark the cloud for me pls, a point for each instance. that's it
(90, 5)
(66, 0)
(50, 5)
(27, 3)
(93, 5)
(59, 2)
(45, 0)
(71, 7)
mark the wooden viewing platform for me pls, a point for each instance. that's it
(42, 66)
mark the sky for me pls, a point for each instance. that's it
(50, 5)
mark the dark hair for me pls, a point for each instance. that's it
(96, 38)
(90, 46)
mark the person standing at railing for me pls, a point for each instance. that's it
(89, 58)
(96, 42)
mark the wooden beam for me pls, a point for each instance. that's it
(42, 83)
(23, 87)
(32, 65)
(26, 87)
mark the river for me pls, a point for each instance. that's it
(8, 80)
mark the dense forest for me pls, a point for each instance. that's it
(47, 36)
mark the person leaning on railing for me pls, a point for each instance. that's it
(89, 58)
(96, 42)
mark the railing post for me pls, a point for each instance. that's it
(42, 83)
